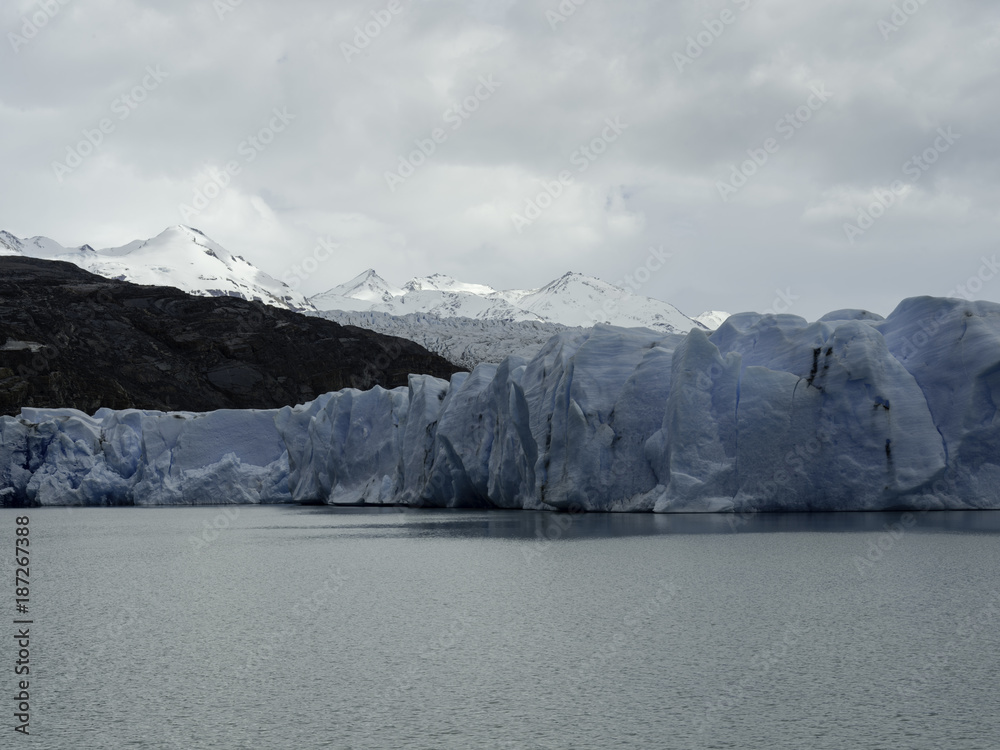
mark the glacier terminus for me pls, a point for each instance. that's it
(767, 413)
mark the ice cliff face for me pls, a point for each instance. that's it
(767, 413)
(63, 457)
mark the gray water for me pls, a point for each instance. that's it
(291, 627)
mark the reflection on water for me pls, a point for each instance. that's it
(519, 525)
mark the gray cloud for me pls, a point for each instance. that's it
(324, 174)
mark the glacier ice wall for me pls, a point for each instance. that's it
(64, 457)
(769, 412)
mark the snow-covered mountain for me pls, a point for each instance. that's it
(363, 290)
(180, 257)
(467, 323)
(471, 324)
(369, 292)
(571, 300)
(712, 319)
(440, 283)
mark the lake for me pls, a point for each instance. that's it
(315, 627)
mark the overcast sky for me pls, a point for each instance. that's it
(832, 100)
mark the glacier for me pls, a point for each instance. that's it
(465, 342)
(767, 413)
(573, 300)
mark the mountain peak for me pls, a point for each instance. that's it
(180, 256)
(712, 319)
(366, 287)
(183, 228)
(9, 244)
(440, 282)
(183, 231)
(573, 299)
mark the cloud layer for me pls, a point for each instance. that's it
(472, 138)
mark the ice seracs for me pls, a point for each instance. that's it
(768, 413)
(64, 457)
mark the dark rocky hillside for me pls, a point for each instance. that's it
(69, 338)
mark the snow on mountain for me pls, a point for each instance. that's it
(572, 300)
(769, 413)
(368, 286)
(369, 292)
(38, 247)
(441, 283)
(471, 324)
(712, 319)
(459, 305)
(10, 245)
(578, 300)
(467, 323)
(180, 257)
(360, 293)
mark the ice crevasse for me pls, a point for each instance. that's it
(768, 413)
